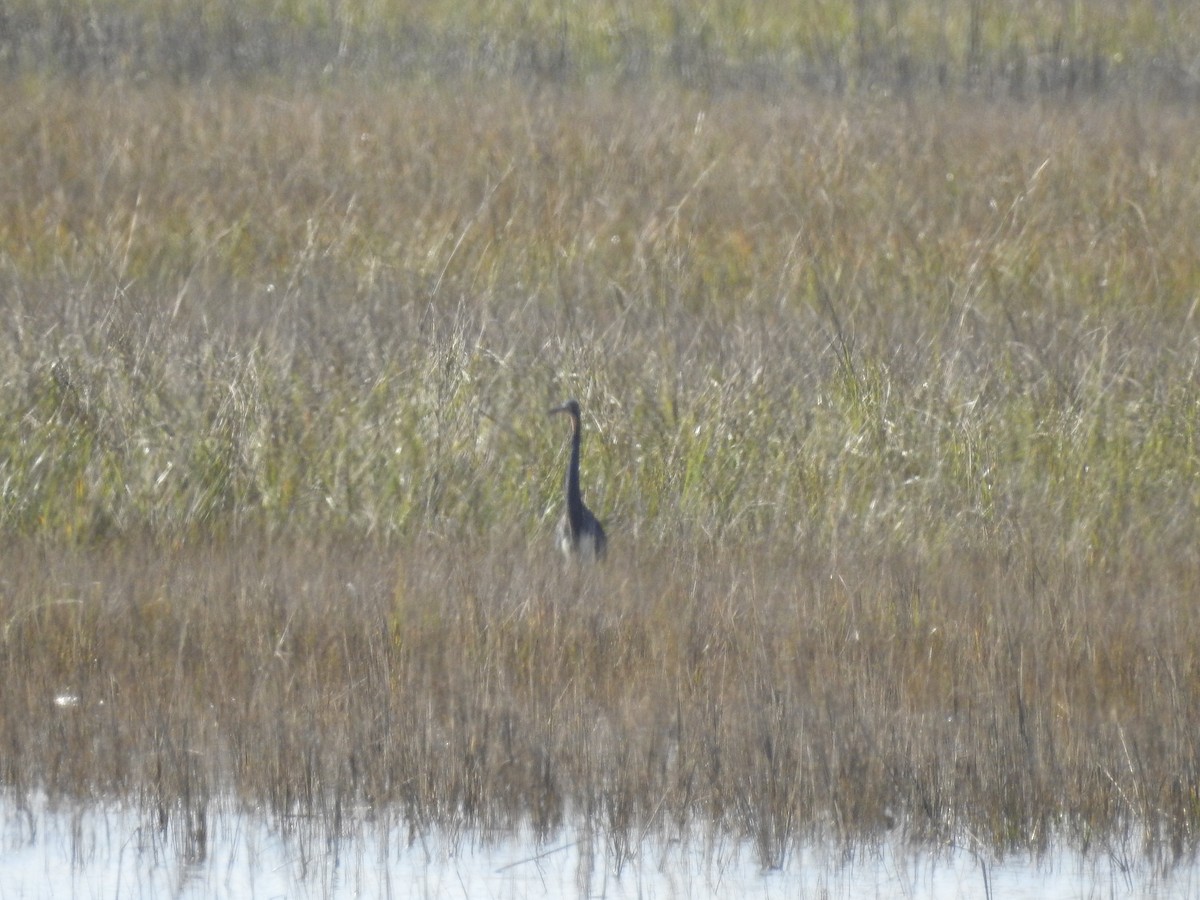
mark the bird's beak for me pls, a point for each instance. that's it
(556, 409)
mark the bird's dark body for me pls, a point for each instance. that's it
(579, 534)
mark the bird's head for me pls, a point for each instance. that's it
(571, 408)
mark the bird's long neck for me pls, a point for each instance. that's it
(574, 497)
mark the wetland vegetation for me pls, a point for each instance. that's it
(884, 324)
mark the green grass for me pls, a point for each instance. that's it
(890, 410)
(779, 320)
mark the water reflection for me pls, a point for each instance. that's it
(113, 850)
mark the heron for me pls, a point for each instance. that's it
(579, 534)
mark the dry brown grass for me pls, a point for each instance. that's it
(482, 687)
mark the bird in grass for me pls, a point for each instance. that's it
(579, 534)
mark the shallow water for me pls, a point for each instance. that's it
(111, 851)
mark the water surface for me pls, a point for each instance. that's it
(115, 851)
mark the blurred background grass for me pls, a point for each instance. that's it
(1030, 46)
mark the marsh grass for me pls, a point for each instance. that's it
(890, 408)
(778, 701)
